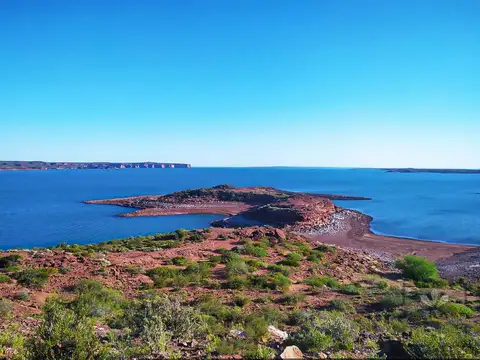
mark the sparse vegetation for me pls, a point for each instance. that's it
(225, 305)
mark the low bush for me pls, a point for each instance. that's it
(237, 282)
(291, 299)
(382, 285)
(255, 250)
(280, 282)
(326, 330)
(10, 260)
(310, 339)
(12, 343)
(342, 305)
(260, 352)
(36, 278)
(448, 342)
(179, 261)
(236, 267)
(4, 278)
(417, 269)
(95, 300)
(240, 300)
(350, 289)
(166, 314)
(285, 270)
(5, 308)
(318, 282)
(292, 259)
(456, 310)
(393, 299)
(63, 335)
(195, 273)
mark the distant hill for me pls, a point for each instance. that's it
(42, 165)
(438, 171)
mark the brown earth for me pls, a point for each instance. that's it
(115, 269)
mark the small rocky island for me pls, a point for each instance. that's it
(42, 165)
(301, 212)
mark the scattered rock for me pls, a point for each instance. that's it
(291, 352)
(238, 334)
(277, 334)
(322, 355)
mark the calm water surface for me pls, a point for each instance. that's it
(43, 208)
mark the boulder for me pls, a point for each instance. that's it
(277, 334)
(291, 352)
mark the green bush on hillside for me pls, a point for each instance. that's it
(95, 300)
(64, 335)
(10, 260)
(448, 342)
(35, 278)
(417, 268)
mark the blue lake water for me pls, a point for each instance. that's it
(43, 208)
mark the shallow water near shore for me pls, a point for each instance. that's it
(44, 208)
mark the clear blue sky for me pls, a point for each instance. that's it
(369, 83)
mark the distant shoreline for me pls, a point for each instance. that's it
(42, 165)
(434, 171)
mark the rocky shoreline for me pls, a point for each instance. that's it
(311, 215)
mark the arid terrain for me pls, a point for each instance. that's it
(311, 282)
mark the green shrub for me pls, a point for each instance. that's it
(181, 234)
(417, 268)
(285, 270)
(448, 342)
(164, 314)
(456, 310)
(256, 327)
(179, 261)
(5, 308)
(382, 285)
(237, 282)
(326, 330)
(36, 278)
(4, 278)
(342, 305)
(10, 260)
(292, 259)
(215, 259)
(260, 352)
(162, 275)
(318, 282)
(255, 264)
(236, 266)
(255, 250)
(339, 327)
(12, 343)
(326, 248)
(350, 289)
(291, 299)
(95, 300)
(272, 315)
(195, 273)
(310, 339)
(280, 282)
(64, 335)
(240, 300)
(394, 298)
